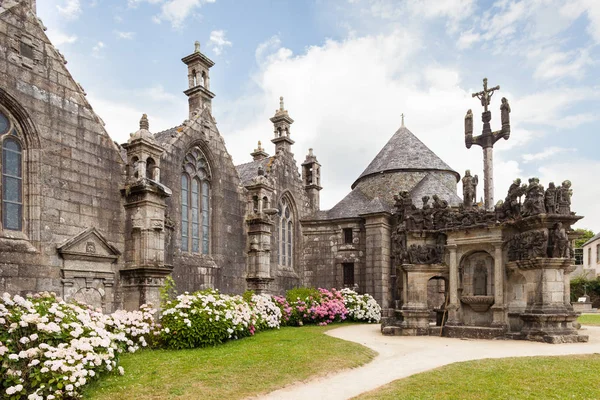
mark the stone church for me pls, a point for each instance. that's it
(106, 223)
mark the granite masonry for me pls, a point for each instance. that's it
(106, 223)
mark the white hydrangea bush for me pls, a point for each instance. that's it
(50, 349)
(267, 311)
(363, 308)
(205, 318)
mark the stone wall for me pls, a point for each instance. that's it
(72, 168)
(325, 252)
(224, 267)
(386, 185)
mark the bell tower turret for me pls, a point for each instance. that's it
(311, 179)
(198, 92)
(281, 122)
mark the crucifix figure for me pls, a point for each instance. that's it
(487, 138)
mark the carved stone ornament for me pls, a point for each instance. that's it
(89, 245)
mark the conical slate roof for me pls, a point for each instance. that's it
(405, 152)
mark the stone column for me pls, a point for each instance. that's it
(453, 305)
(498, 307)
(378, 258)
(567, 280)
(488, 175)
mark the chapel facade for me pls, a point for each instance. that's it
(106, 223)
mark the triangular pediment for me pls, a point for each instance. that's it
(89, 244)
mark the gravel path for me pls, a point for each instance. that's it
(400, 357)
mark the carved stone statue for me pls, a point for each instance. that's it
(560, 242)
(440, 213)
(469, 189)
(534, 198)
(563, 198)
(469, 123)
(427, 212)
(403, 205)
(505, 112)
(550, 199)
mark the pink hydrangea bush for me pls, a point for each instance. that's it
(50, 349)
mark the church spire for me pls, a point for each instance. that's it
(281, 123)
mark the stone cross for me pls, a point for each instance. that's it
(487, 138)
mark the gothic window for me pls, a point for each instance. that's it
(11, 166)
(286, 233)
(598, 254)
(195, 203)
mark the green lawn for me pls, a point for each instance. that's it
(236, 369)
(589, 319)
(565, 377)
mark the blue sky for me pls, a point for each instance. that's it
(347, 70)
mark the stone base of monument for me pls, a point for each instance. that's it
(549, 328)
(473, 332)
(406, 322)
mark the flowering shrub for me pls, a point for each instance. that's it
(206, 318)
(284, 307)
(317, 306)
(49, 349)
(361, 307)
(268, 314)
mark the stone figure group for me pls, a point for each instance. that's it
(540, 243)
(553, 200)
(425, 254)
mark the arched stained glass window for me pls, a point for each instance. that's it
(195, 203)
(11, 166)
(286, 234)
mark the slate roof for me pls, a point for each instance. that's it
(404, 151)
(596, 237)
(249, 170)
(164, 136)
(429, 186)
(353, 205)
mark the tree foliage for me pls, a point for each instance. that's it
(586, 235)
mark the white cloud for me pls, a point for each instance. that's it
(563, 64)
(157, 93)
(135, 3)
(551, 107)
(545, 154)
(70, 10)
(467, 39)
(218, 41)
(177, 11)
(97, 50)
(125, 35)
(59, 38)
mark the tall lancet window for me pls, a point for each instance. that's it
(286, 233)
(11, 195)
(195, 203)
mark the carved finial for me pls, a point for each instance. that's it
(402, 115)
(144, 124)
(281, 104)
(196, 47)
(310, 152)
(259, 145)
